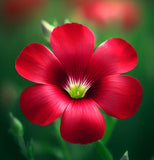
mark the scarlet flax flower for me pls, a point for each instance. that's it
(74, 82)
(103, 13)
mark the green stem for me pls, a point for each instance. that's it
(63, 144)
(103, 151)
(23, 147)
(64, 148)
(110, 125)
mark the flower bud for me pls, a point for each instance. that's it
(67, 20)
(46, 28)
(16, 126)
(125, 156)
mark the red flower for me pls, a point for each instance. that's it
(15, 11)
(108, 12)
(74, 81)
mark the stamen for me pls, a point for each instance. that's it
(77, 89)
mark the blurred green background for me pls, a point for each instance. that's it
(135, 134)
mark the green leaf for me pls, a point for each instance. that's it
(125, 156)
(103, 151)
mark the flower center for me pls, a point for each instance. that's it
(77, 90)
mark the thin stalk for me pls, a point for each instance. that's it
(66, 153)
(23, 148)
(103, 151)
(63, 144)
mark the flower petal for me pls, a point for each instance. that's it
(119, 96)
(82, 122)
(114, 56)
(37, 63)
(73, 45)
(42, 104)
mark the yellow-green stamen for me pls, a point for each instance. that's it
(77, 90)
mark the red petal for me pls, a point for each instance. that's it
(114, 56)
(119, 96)
(38, 64)
(43, 104)
(82, 122)
(73, 45)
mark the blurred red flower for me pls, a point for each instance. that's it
(16, 11)
(74, 81)
(102, 13)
